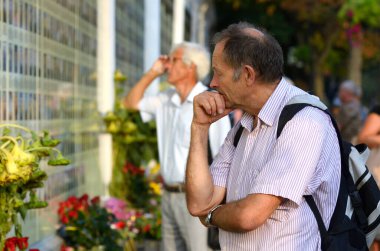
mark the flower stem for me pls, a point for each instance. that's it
(9, 138)
(16, 126)
(42, 148)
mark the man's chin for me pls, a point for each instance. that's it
(227, 103)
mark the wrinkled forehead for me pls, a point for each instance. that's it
(218, 57)
(178, 52)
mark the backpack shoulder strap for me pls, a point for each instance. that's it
(209, 152)
(238, 135)
(321, 226)
(287, 114)
(296, 104)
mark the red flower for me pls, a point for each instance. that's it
(71, 201)
(61, 210)
(95, 200)
(129, 167)
(84, 198)
(118, 225)
(22, 243)
(73, 214)
(34, 249)
(350, 14)
(10, 244)
(146, 228)
(64, 219)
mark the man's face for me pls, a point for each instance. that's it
(345, 96)
(222, 79)
(177, 69)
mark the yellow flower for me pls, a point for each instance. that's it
(155, 187)
(119, 77)
(154, 167)
(71, 228)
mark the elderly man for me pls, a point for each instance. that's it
(254, 192)
(187, 64)
(349, 117)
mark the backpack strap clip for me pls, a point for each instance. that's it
(356, 199)
(357, 204)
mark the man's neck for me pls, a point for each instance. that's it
(183, 89)
(258, 98)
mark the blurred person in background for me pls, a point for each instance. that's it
(187, 64)
(349, 115)
(370, 135)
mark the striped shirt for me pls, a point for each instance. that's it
(304, 160)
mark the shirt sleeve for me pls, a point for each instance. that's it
(295, 157)
(148, 106)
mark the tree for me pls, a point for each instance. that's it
(318, 34)
(358, 16)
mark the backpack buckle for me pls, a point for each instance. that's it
(356, 200)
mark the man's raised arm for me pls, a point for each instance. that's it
(134, 96)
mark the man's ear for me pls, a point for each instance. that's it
(193, 68)
(249, 74)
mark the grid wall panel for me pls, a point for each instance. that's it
(166, 26)
(130, 38)
(47, 69)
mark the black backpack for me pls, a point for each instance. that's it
(356, 216)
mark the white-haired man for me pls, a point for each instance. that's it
(187, 64)
(349, 117)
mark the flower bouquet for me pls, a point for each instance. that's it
(20, 176)
(134, 145)
(136, 224)
(85, 224)
(139, 224)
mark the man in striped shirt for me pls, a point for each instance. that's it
(254, 193)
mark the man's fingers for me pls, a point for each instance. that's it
(206, 106)
(211, 100)
(220, 104)
(209, 107)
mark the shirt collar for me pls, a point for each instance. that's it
(271, 109)
(198, 88)
(274, 104)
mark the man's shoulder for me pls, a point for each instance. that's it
(310, 117)
(164, 95)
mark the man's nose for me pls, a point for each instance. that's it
(213, 83)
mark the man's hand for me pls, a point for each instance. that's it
(209, 107)
(160, 66)
(137, 92)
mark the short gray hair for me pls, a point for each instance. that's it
(262, 52)
(350, 86)
(196, 54)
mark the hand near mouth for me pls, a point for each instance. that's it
(209, 107)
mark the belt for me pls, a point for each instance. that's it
(177, 188)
